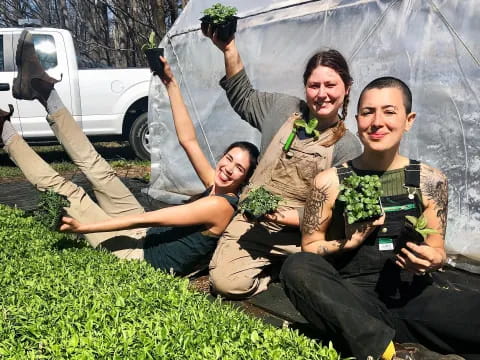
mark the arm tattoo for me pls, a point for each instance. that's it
(435, 186)
(336, 245)
(322, 250)
(314, 209)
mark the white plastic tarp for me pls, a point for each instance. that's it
(430, 44)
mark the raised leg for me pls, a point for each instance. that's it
(33, 82)
(43, 177)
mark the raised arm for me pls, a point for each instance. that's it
(186, 134)
(430, 256)
(318, 216)
(214, 212)
(233, 61)
(252, 105)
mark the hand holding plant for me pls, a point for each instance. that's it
(258, 203)
(361, 195)
(70, 225)
(167, 75)
(153, 53)
(219, 23)
(420, 259)
(50, 209)
(356, 233)
(284, 217)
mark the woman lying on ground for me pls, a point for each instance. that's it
(186, 235)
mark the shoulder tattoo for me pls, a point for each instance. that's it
(434, 185)
(312, 218)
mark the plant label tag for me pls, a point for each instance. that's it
(385, 244)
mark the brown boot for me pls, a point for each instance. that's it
(5, 116)
(32, 82)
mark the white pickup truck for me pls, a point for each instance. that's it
(107, 103)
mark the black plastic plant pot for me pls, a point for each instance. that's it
(153, 58)
(408, 234)
(205, 23)
(224, 31)
(253, 218)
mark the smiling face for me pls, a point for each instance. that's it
(231, 171)
(324, 94)
(382, 119)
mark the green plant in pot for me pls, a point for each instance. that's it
(153, 53)
(258, 203)
(361, 195)
(415, 230)
(221, 19)
(50, 209)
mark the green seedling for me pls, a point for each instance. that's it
(259, 202)
(361, 195)
(220, 14)
(420, 225)
(151, 44)
(310, 128)
(81, 303)
(50, 209)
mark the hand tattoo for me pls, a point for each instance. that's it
(312, 218)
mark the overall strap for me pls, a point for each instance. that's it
(231, 198)
(412, 174)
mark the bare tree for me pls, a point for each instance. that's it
(106, 32)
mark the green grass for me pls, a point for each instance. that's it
(118, 154)
(61, 299)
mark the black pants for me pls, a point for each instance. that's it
(350, 313)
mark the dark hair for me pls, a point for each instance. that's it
(389, 82)
(252, 151)
(334, 60)
(244, 145)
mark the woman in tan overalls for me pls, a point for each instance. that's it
(243, 261)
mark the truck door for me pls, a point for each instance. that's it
(6, 78)
(50, 49)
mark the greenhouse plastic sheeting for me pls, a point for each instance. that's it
(432, 45)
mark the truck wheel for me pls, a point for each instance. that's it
(139, 137)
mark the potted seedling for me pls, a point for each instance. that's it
(361, 195)
(415, 230)
(310, 128)
(258, 203)
(221, 19)
(50, 209)
(153, 53)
